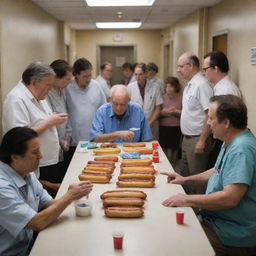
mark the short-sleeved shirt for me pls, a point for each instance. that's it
(20, 200)
(22, 109)
(195, 101)
(235, 226)
(226, 86)
(57, 102)
(106, 121)
(105, 85)
(82, 105)
(152, 97)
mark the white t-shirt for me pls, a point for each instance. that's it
(226, 86)
(152, 97)
(196, 99)
(22, 109)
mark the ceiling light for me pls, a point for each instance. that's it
(120, 2)
(118, 24)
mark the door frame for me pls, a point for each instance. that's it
(98, 53)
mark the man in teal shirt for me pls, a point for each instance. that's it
(229, 205)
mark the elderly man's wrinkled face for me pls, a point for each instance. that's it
(41, 88)
(119, 103)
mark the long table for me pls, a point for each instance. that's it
(155, 234)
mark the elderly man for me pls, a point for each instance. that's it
(104, 78)
(83, 97)
(24, 205)
(113, 121)
(229, 205)
(216, 68)
(25, 105)
(196, 96)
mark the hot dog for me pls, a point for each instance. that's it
(108, 145)
(100, 169)
(95, 178)
(144, 176)
(137, 162)
(106, 158)
(124, 193)
(138, 183)
(106, 151)
(140, 150)
(113, 201)
(124, 212)
(134, 144)
(138, 169)
(102, 162)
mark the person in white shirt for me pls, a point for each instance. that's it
(152, 70)
(146, 94)
(26, 105)
(216, 68)
(104, 78)
(196, 98)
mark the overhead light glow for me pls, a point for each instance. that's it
(118, 25)
(120, 2)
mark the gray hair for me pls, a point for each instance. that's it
(120, 87)
(37, 71)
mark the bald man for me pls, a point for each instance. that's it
(113, 121)
(195, 103)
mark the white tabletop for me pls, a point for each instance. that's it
(155, 234)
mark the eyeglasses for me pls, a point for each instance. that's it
(204, 69)
(181, 66)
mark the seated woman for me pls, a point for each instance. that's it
(169, 131)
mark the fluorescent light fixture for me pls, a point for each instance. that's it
(120, 2)
(118, 24)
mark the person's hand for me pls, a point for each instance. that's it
(199, 148)
(178, 200)
(76, 191)
(66, 143)
(174, 178)
(126, 135)
(57, 119)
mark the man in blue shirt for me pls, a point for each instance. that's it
(113, 121)
(25, 206)
(229, 205)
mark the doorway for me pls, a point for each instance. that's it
(220, 43)
(117, 56)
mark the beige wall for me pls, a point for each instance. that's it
(27, 34)
(238, 18)
(147, 42)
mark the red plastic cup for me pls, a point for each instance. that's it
(154, 145)
(118, 240)
(179, 216)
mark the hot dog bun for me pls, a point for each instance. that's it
(134, 144)
(108, 145)
(124, 212)
(106, 158)
(124, 193)
(144, 176)
(95, 178)
(106, 151)
(114, 201)
(136, 162)
(138, 169)
(135, 183)
(139, 150)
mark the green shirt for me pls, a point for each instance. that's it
(235, 226)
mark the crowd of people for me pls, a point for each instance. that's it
(55, 106)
